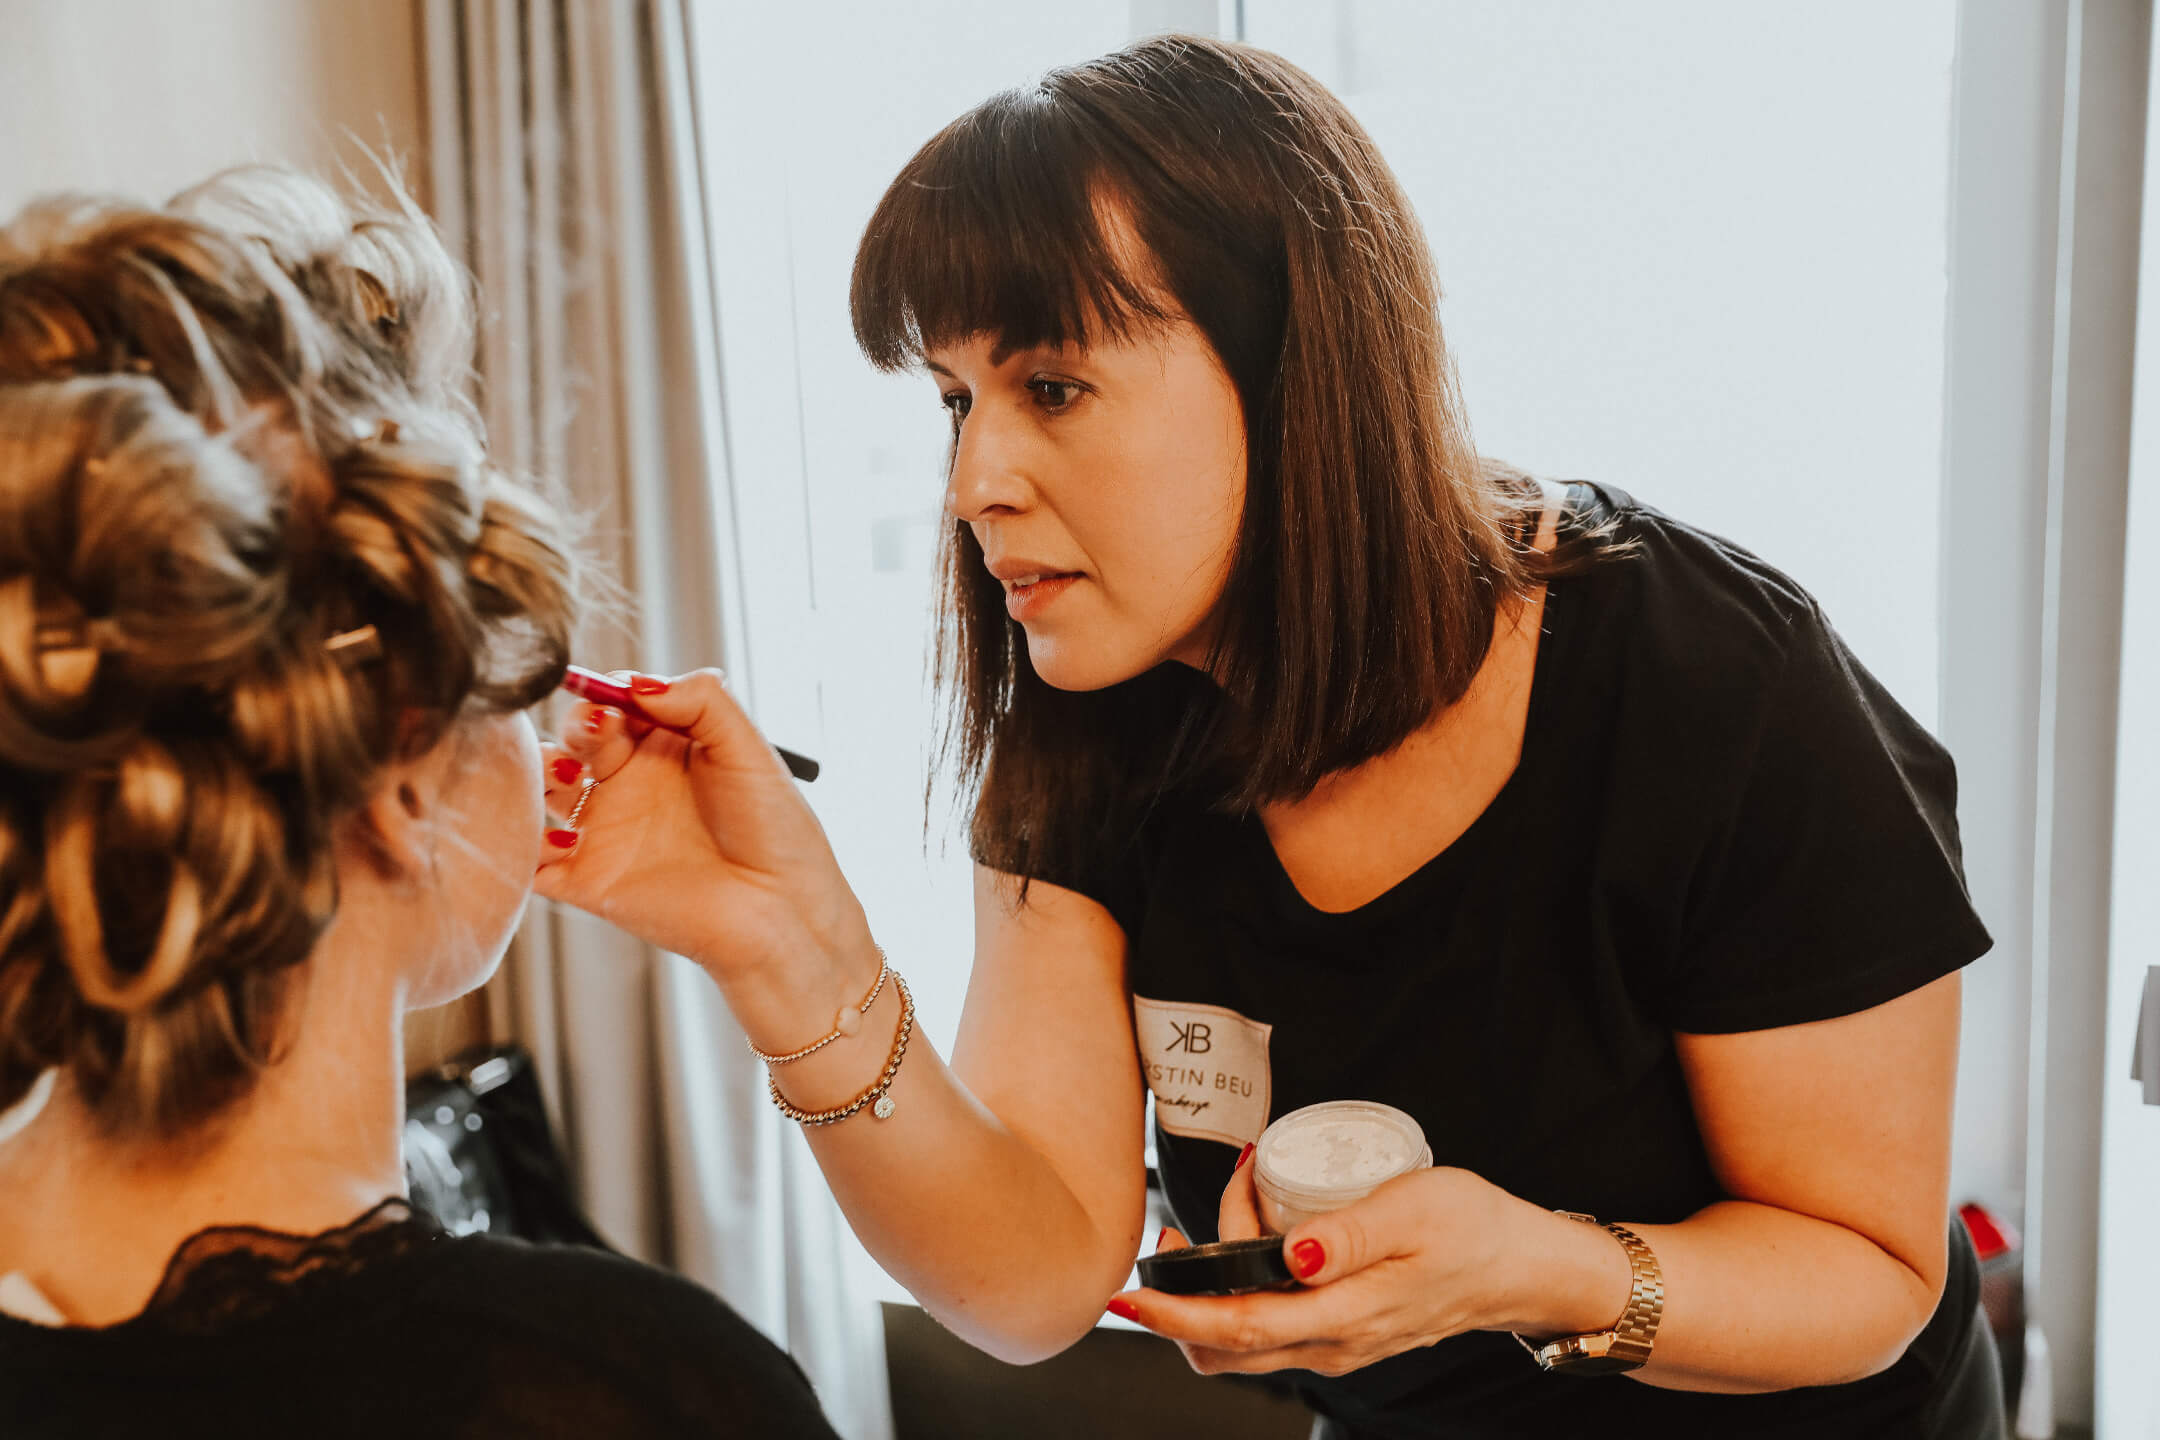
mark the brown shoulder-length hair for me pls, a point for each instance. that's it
(1375, 547)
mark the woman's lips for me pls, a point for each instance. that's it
(1024, 601)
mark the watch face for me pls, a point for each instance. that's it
(1588, 1365)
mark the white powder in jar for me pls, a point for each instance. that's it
(1334, 1153)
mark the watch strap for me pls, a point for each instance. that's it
(1627, 1345)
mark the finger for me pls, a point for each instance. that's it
(637, 727)
(1239, 1214)
(599, 736)
(1245, 1324)
(699, 705)
(562, 777)
(1171, 1239)
(1343, 1242)
(557, 847)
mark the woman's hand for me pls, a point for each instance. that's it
(701, 845)
(1424, 1257)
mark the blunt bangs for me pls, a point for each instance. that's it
(996, 228)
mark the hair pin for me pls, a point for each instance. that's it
(68, 652)
(72, 644)
(379, 431)
(355, 647)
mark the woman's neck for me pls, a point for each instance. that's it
(92, 1222)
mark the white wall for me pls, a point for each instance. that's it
(2128, 1399)
(2006, 174)
(143, 97)
(2104, 120)
(1692, 248)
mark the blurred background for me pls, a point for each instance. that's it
(1852, 283)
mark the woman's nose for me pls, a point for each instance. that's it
(988, 477)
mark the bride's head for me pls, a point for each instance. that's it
(269, 619)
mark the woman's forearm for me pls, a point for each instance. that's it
(973, 1219)
(1756, 1298)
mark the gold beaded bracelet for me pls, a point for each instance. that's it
(846, 1023)
(880, 1103)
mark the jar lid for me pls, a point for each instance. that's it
(1337, 1151)
(1227, 1267)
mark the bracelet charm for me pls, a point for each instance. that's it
(847, 1023)
(876, 1098)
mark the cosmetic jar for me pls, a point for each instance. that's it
(1228, 1267)
(1326, 1156)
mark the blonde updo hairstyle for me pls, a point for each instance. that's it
(231, 430)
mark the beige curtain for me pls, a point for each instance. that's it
(564, 162)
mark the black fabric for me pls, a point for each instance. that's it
(390, 1327)
(481, 1155)
(1719, 822)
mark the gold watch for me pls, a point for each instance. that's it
(1627, 1345)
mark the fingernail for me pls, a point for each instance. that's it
(647, 685)
(567, 769)
(1307, 1259)
(597, 720)
(1242, 1156)
(1122, 1308)
(562, 839)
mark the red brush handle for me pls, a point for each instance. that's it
(597, 688)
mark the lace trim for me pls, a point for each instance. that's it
(229, 1275)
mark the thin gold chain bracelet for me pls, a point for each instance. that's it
(880, 1103)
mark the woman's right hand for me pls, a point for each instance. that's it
(700, 844)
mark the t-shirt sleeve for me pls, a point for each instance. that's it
(1112, 874)
(1828, 878)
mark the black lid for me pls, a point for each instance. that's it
(1228, 1267)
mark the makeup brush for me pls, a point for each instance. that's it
(593, 686)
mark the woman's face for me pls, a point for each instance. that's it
(488, 812)
(1119, 470)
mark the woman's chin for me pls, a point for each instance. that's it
(1063, 665)
(452, 977)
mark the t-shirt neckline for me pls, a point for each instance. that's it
(1412, 888)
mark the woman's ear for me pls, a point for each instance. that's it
(394, 831)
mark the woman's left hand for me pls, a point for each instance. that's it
(1424, 1257)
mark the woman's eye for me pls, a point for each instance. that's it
(956, 405)
(1053, 394)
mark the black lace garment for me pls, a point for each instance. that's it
(388, 1327)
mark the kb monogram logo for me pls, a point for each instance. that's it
(1207, 1066)
(1193, 1039)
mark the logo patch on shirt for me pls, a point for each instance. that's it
(1208, 1068)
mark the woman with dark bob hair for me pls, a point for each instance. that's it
(1316, 759)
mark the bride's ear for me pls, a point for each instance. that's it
(395, 831)
(391, 831)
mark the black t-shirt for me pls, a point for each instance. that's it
(1720, 822)
(389, 1328)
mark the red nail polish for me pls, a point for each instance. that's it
(595, 721)
(1242, 1157)
(562, 839)
(1122, 1308)
(1307, 1259)
(567, 770)
(647, 685)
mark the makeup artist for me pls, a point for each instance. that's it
(1316, 758)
